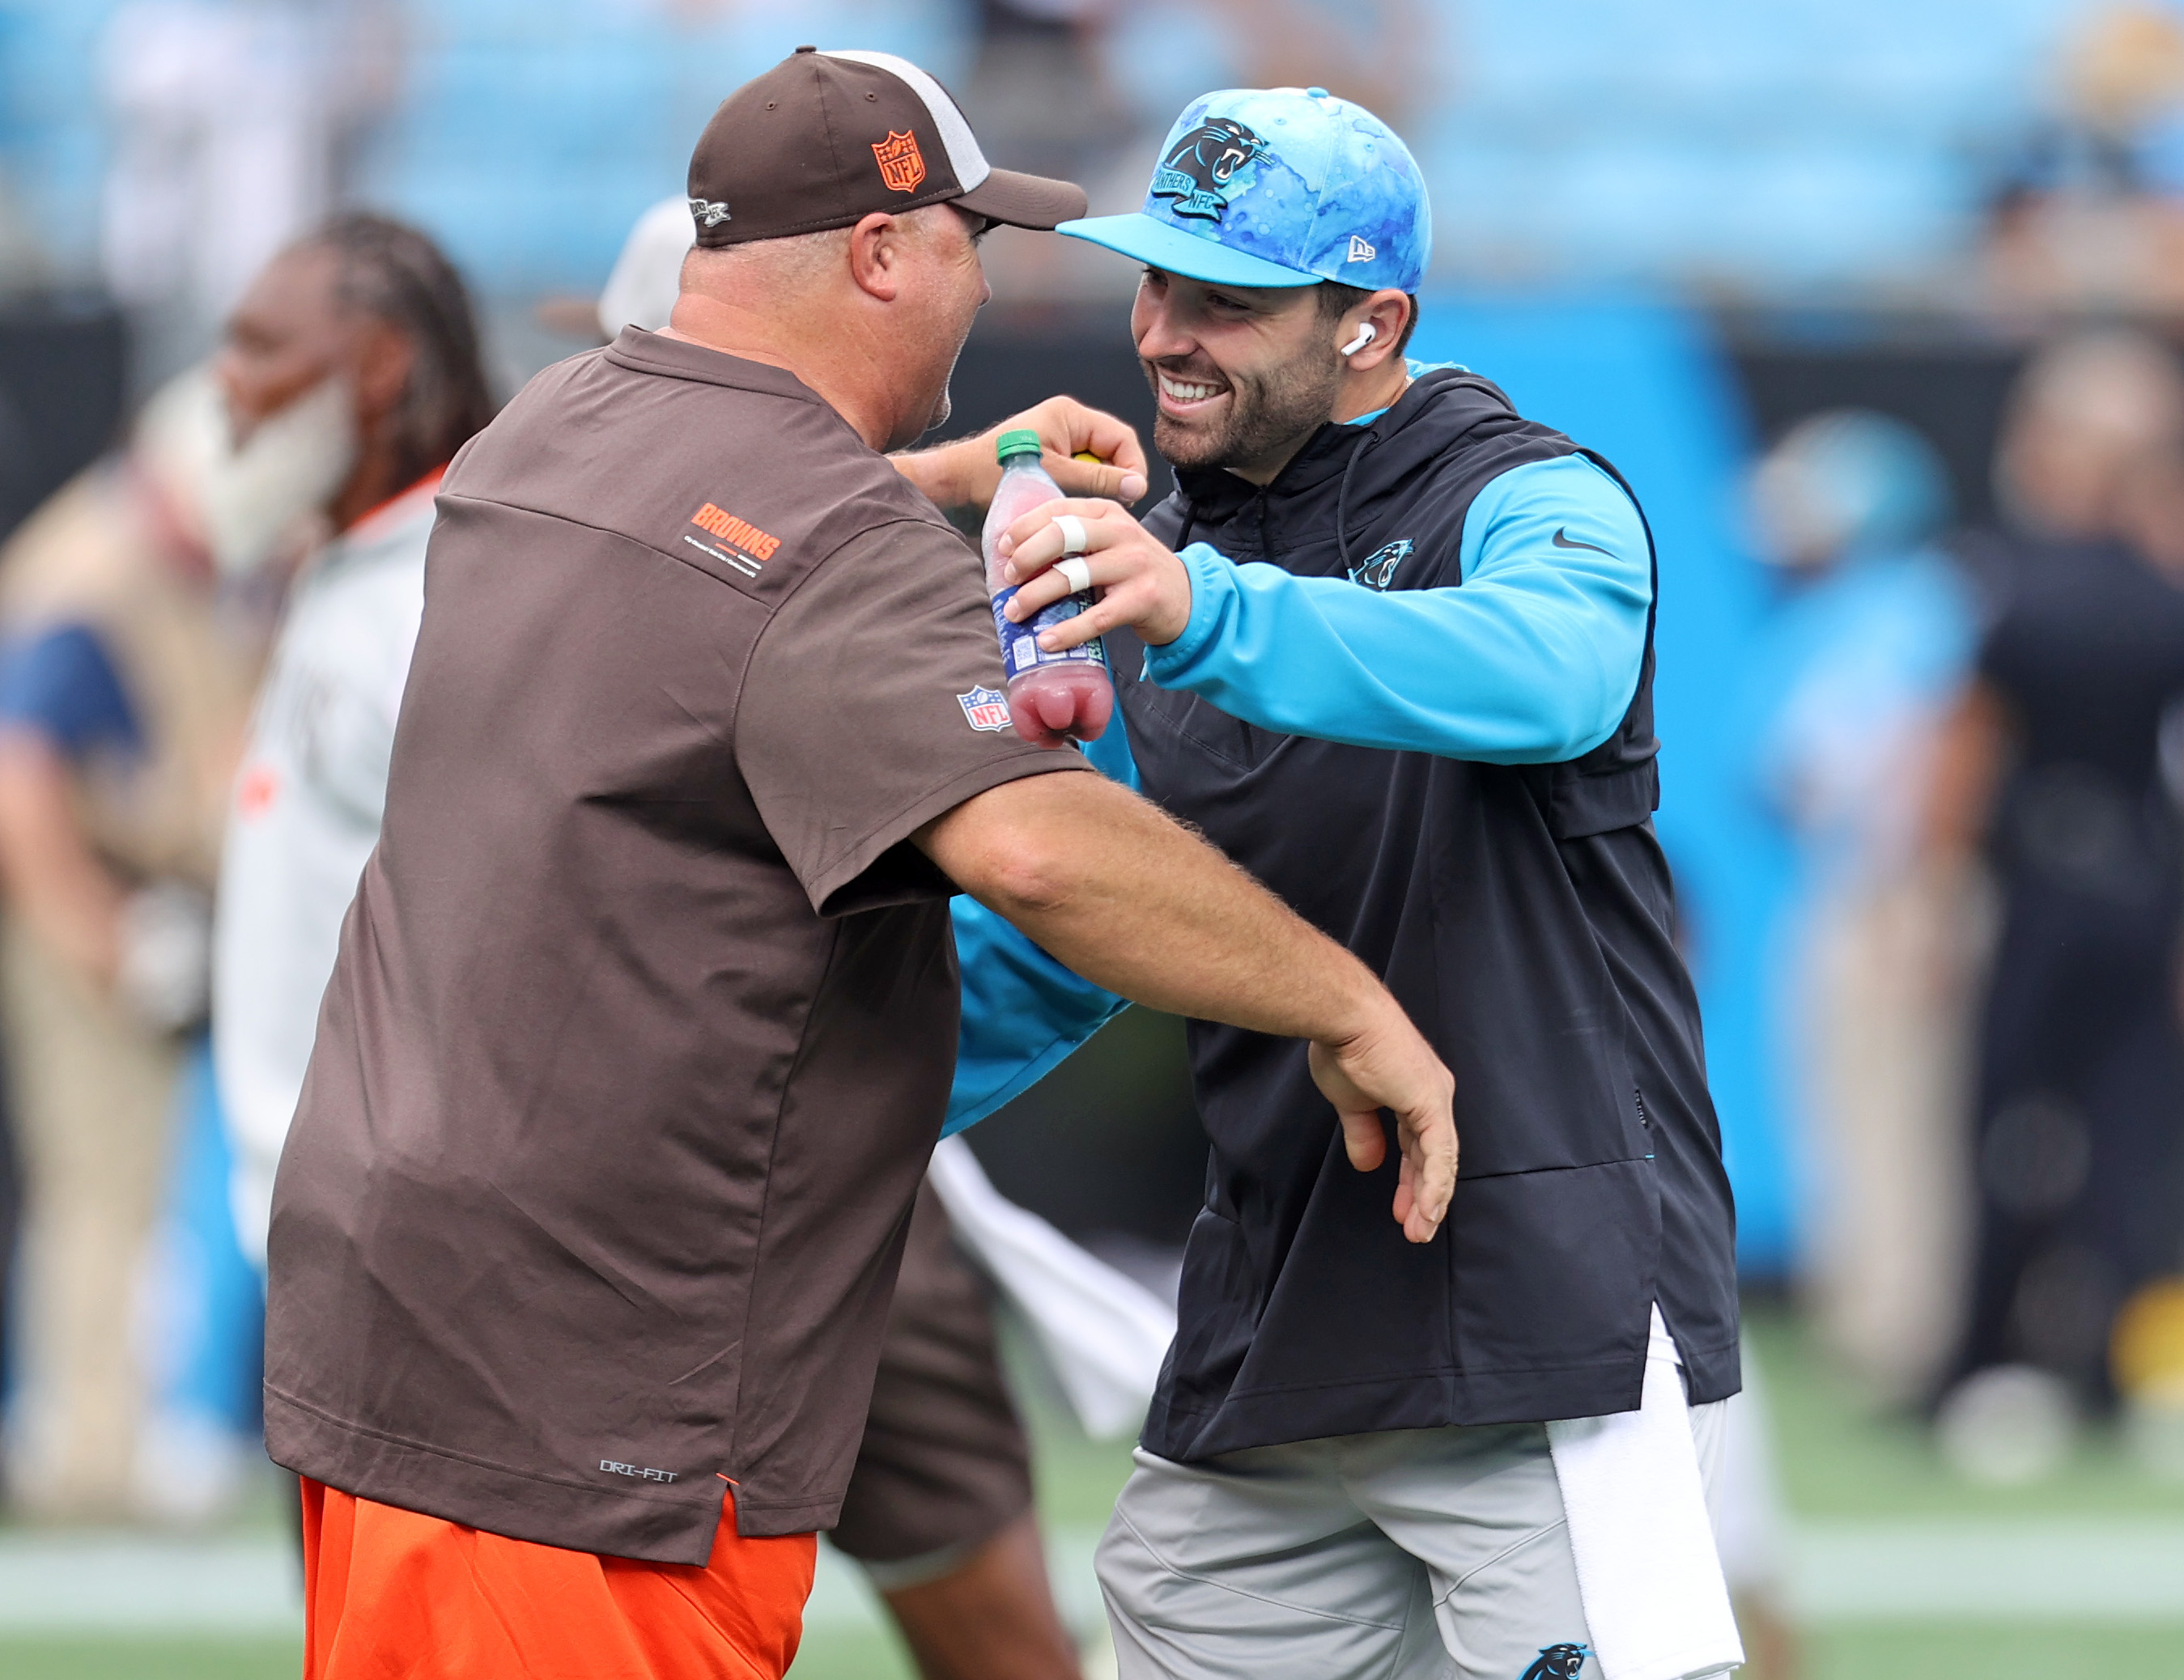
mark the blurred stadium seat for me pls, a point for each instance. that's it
(1770, 148)
(1774, 149)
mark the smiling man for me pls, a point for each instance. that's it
(637, 1041)
(1390, 645)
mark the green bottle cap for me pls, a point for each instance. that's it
(1010, 444)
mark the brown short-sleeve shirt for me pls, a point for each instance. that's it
(645, 1013)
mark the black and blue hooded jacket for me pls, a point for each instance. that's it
(1415, 700)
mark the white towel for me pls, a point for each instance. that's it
(1105, 1333)
(1648, 1569)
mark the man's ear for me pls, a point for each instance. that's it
(1387, 312)
(379, 368)
(877, 250)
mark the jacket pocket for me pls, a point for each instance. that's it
(1554, 1271)
(1577, 804)
(1200, 723)
(1219, 1299)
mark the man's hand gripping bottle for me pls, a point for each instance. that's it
(1052, 697)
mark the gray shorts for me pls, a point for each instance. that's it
(1416, 1554)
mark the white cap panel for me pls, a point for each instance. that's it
(964, 157)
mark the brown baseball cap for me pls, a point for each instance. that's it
(823, 139)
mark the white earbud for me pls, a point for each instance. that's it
(1366, 335)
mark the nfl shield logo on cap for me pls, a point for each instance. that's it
(902, 165)
(824, 139)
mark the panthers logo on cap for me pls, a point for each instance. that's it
(1205, 169)
(902, 165)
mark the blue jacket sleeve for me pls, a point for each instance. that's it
(1532, 659)
(62, 684)
(1023, 1012)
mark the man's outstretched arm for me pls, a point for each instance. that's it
(1134, 902)
(1533, 660)
(965, 473)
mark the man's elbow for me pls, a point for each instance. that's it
(1572, 722)
(1036, 877)
(1578, 735)
(1018, 850)
(1590, 707)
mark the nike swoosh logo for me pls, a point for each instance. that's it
(1562, 540)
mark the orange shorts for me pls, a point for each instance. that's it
(391, 1595)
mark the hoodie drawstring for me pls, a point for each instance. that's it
(1342, 500)
(1265, 499)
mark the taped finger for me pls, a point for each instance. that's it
(1075, 572)
(1074, 538)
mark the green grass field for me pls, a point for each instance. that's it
(1839, 1463)
(1911, 1653)
(152, 1658)
(1838, 1460)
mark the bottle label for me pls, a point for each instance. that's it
(1020, 648)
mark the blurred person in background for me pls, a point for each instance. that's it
(2090, 215)
(133, 644)
(235, 126)
(1051, 99)
(2053, 770)
(1855, 671)
(2146, 1345)
(366, 325)
(1037, 86)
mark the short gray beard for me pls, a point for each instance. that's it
(1266, 417)
(943, 409)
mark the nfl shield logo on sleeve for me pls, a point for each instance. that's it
(986, 708)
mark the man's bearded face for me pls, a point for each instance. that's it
(1238, 417)
(1241, 378)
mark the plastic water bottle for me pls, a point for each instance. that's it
(1052, 697)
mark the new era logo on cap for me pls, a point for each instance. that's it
(824, 139)
(1361, 252)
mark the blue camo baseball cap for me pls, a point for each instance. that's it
(1277, 186)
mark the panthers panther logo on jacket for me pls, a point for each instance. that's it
(1377, 570)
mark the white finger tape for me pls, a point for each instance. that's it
(1074, 539)
(1077, 573)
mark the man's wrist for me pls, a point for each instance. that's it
(941, 473)
(1360, 1007)
(1172, 655)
